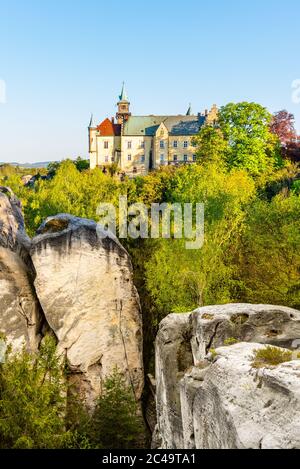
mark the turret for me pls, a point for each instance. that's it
(123, 113)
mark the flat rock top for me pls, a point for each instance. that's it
(244, 308)
(63, 225)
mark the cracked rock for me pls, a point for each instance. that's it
(185, 353)
(21, 318)
(86, 290)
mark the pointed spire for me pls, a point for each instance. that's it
(91, 124)
(123, 96)
(189, 111)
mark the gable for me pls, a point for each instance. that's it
(109, 129)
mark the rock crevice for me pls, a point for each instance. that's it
(74, 283)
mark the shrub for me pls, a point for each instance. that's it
(270, 356)
(32, 400)
(230, 341)
(116, 423)
(213, 353)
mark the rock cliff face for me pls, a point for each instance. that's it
(207, 402)
(69, 281)
(86, 290)
(231, 405)
(21, 318)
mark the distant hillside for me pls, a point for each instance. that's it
(42, 164)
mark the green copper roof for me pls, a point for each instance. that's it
(176, 125)
(123, 96)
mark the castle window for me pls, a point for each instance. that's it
(185, 144)
(129, 157)
(175, 158)
(112, 159)
(129, 145)
(194, 157)
(106, 159)
(142, 144)
(162, 144)
(143, 159)
(106, 144)
(175, 144)
(162, 158)
(185, 157)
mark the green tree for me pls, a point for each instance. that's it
(116, 423)
(211, 145)
(33, 400)
(178, 279)
(268, 256)
(252, 145)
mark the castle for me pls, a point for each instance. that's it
(138, 144)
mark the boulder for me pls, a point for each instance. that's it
(21, 318)
(85, 286)
(173, 356)
(231, 405)
(185, 340)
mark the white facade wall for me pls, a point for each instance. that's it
(182, 148)
(135, 153)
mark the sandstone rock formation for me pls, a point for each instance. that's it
(86, 290)
(70, 282)
(231, 405)
(183, 344)
(21, 319)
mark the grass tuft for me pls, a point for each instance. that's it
(270, 356)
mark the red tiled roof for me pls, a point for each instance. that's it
(108, 129)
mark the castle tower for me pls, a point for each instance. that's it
(123, 107)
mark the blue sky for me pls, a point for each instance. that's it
(63, 59)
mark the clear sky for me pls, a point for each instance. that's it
(63, 59)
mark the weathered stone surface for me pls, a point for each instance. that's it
(86, 290)
(231, 405)
(172, 357)
(183, 341)
(21, 318)
(265, 324)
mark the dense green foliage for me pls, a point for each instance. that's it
(40, 409)
(32, 400)
(115, 423)
(242, 138)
